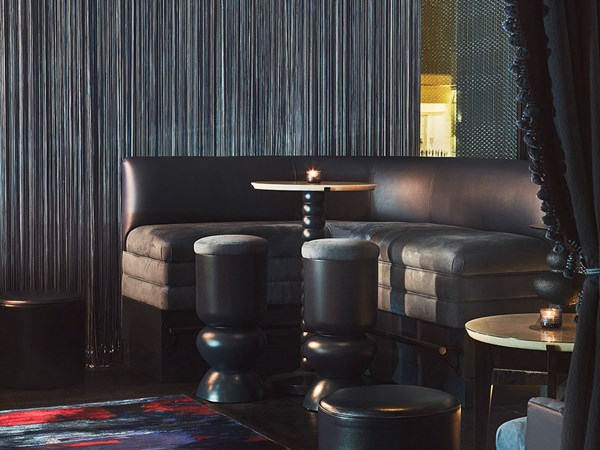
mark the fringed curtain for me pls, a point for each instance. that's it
(84, 83)
(559, 74)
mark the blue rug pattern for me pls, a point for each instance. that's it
(172, 422)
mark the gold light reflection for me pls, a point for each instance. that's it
(551, 336)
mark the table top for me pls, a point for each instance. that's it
(522, 331)
(304, 186)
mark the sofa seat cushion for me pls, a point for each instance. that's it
(159, 261)
(449, 275)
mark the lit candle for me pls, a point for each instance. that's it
(313, 176)
(550, 317)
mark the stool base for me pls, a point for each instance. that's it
(230, 387)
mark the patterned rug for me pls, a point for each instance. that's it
(144, 423)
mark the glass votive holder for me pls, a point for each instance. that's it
(550, 317)
(313, 176)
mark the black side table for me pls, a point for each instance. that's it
(42, 339)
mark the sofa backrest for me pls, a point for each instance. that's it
(495, 195)
(158, 190)
(486, 194)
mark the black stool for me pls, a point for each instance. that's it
(231, 298)
(340, 306)
(390, 417)
(42, 339)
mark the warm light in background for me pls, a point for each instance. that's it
(438, 115)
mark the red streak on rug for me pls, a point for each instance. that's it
(257, 439)
(52, 415)
(201, 437)
(177, 406)
(85, 444)
(175, 421)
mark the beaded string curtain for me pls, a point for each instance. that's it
(84, 83)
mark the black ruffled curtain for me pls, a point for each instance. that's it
(558, 72)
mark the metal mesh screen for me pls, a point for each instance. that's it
(464, 40)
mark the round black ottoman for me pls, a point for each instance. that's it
(391, 417)
(42, 339)
(340, 306)
(231, 298)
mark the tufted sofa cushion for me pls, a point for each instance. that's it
(438, 273)
(158, 261)
(448, 275)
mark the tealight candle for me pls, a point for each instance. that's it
(313, 176)
(550, 317)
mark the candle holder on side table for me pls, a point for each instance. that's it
(550, 317)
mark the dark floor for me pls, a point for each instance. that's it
(281, 418)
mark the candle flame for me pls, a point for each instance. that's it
(313, 175)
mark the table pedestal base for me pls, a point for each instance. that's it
(313, 210)
(299, 381)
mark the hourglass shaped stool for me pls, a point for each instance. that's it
(340, 306)
(231, 298)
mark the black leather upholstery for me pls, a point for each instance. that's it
(340, 297)
(494, 195)
(231, 290)
(232, 274)
(340, 305)
(42, 339)
(231, 298)
(389, 417)
(491, 195)
(217, 189)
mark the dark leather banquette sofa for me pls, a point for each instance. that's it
(455, 243)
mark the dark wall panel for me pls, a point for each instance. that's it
(84, 83)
